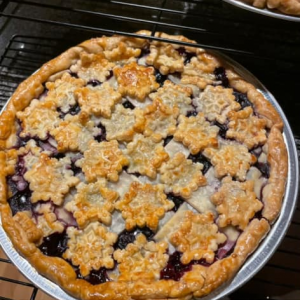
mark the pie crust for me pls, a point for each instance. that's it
(136, 154)
(289, 7)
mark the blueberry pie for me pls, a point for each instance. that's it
(289, 7)
(137, 169)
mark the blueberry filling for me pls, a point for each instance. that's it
(174, 269)
(73, 74)
(76, 170)
(95, 276)
(192, 113)
(145, 51)
(220, 74)
(167, 140)
(242, 99)
(223, 129)
(187, 55)
(73, 110)
(225, 249)
(160, 78)
(263, 168)
(94, 82)
(201, 159)
(102, 135)
(20, 201)
(176, 199)
(55, 244)
(111, 74)
(128, 104)
(126, 237)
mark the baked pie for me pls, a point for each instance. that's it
(289, 7)
(137, 169)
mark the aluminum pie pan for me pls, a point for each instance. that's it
(254, 263)
(263, 11)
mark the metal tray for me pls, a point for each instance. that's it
(263, 11)
(254, 263)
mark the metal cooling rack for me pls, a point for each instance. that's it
(269, 48)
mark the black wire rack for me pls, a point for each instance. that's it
(32, 32)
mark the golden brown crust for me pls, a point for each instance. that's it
(289, 7)
(278, 162)
(261, 105)
(201, 280)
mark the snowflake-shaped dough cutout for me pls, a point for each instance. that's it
(121, 49)
(181, 176)
(99, 252)
(196, 133)
(141, 260)
(200, 70)
(61, 91)
(216, 102)
(103, 159)
(38, 119)
(99, 100)
(165, 58)
(160, 120)
(197, 237)
(135, 81)
(46, 218)
(92, 67)
(124, 123)
(174, 95)
(50, 179)
(145, 155)
(246, 128)
(236, 203)
(233, 160)
(144, 205)
(93, 202)
(74, 133)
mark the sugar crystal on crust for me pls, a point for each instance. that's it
(61, 91)
(233, 160)
(90, 248)
(236, 203)
(196, 133)
(50, 179)
(181, 176)
(99, 100)
(103, 159)
(216, 102)
(144, 205)
(141, 260)
(197, 237)
(200, 70)
(174, 95)
(124, 123)
(135, 81)
(246, 128)
(165, 58)
(74, 133)
(92, 67)
(160, 120)
(38, 119)
(145, 155)
(93, 202)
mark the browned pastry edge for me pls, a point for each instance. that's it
(262, 106)
(278, 162)
(289, 7)
(201, 280)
